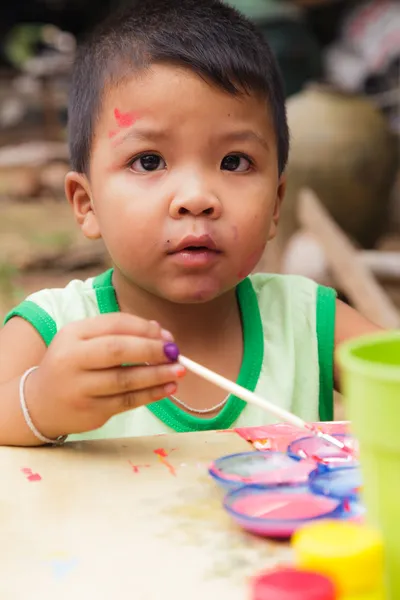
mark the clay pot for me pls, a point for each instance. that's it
(341, 148)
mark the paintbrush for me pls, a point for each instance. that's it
(173, 354)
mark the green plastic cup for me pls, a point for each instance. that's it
(371, 385)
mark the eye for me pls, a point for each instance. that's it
(237, 163)
(148, 163)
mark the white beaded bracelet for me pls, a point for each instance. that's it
(57, 442)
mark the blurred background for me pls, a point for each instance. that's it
(340, 61)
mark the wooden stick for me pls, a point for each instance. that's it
(247, 396)
(349, 269)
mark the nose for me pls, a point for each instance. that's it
(196, 201)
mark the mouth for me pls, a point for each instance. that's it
(195, 245)
(195, 253)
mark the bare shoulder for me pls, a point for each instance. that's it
(351, 324)
(21, 347)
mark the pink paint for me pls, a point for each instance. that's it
(322, 451)
(298, 473)
(136, 468)
(112, 133)
(282, 434)
(30, 475)
(281, 506)
(125, 120)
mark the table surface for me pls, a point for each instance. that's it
(131, 518)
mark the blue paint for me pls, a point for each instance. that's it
(62, 567)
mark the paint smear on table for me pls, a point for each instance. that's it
(163, 458)
(30, 475)
(136, 468)
(62, 567)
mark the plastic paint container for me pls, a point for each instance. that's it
(371, 386)
(292, 584)
(266, 468)
(349, 554)
(341, 483)
(321, 451)
(278, 511)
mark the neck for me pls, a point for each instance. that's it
(187, 322)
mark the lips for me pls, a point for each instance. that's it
(195, 253)
(195, 244)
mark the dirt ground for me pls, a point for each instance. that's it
(34, 237)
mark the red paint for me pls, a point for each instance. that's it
(112, 133)
(161, 452)
(318, 459)
(292, 584)
(163, 455)
(136, 468)
(30, 475)
(125, 119)
(346, 505)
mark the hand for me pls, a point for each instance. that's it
(81, 382)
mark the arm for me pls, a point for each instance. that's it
(21, 347)
(349, 324)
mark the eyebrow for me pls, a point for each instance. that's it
(154, 135)
(141, 134)
(247, 135)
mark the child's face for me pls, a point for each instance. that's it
(177, 164)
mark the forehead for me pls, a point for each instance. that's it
(176, 97)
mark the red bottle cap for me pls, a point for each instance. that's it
(293, 584)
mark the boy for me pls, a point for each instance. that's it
(179, 142)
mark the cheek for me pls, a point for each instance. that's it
(251, 261)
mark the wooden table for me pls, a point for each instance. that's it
(133, 518)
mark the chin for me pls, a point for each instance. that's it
(195, 294)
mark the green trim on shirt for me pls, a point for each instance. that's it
(253, 353)
(326, 313)
(37, 317)
(105, 293)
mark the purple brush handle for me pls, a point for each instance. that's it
(171, 351)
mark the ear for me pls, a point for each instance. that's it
(77, 190)
(280, 194)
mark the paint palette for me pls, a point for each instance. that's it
(341, 483)
(321, 451)
(278, 511)
(266, 468)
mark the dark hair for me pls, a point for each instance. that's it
(206, 36)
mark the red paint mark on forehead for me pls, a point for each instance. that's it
(125, 119)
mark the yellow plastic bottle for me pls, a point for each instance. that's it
(350, 554)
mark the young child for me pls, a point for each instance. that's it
(179, 141)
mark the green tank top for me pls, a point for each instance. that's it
(288, 331)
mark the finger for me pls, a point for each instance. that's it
(129, 400)
(119, 324)
(112, 382)
(116, 350)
